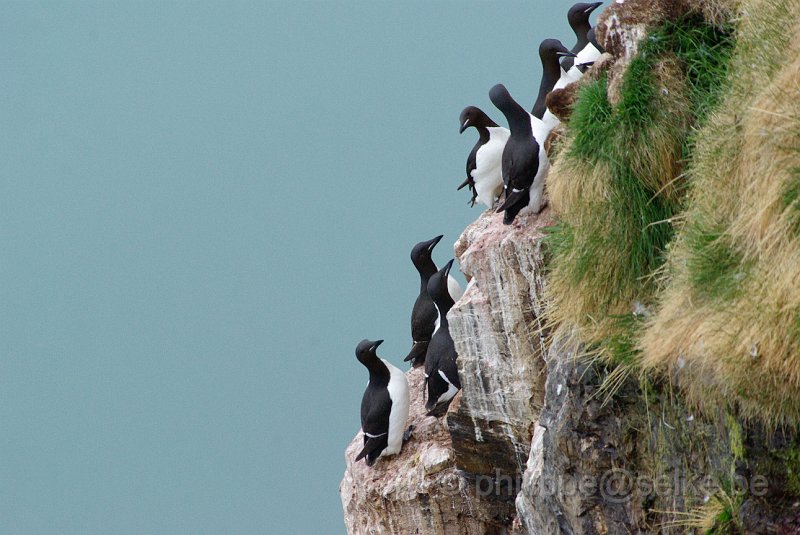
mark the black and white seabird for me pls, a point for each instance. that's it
(384, 407)
(566, 77)
(590, 53)
(484, 163)
(423, 315)
(578, 18)
(441, 370)
(551, 51)
(525, 162)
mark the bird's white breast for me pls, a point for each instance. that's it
(451, 389)
(488, 172)
(589, 54)
(572, 75)
(540, 131)
(398, 393)
(454, 289)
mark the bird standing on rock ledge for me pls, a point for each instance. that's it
(525, 162)
(578, 18)
(485, 162)
(441, 370)
(423, 315)
(384, 406)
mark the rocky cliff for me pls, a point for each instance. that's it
(462, 474)
(558, 428)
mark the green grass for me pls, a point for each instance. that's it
(796, 331)
(716, 269)
(791, 460)
(611, 246)
(790, 197)
(722, 523)
(592, 122)
(622, 344)
(633, 210)
(705, 53)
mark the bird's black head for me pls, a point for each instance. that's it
(421, 253)
(578, 15)
(438, 289)
(553, 50)
(471, 116)
(500, 96)
(366, 350)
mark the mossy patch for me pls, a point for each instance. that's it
(791, 460)
(736, 438)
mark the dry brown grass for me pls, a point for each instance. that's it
(739, 340)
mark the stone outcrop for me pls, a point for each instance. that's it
(498, 333)
(461, 474)
(420, 490)
(596, 459)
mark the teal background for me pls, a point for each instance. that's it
(203, 208)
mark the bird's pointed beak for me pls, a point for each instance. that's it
(375, 345)
(434, 241)
(448, 266)
(463, 127)
(566, 54)
(593, 7)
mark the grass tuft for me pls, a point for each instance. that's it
(725, 321)
(790, 195)
(716, 269)
(617, 184)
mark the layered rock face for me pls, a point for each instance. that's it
(461, 474)
(499, 336)
(420, 490)
(602, 464)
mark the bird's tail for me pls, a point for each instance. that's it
(438, 409)
(512, 198)
(372, 446)
(417, 354)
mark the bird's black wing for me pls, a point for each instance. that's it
(376, 406)
(423, 318)
(524, 164)
(448, 364)
(373, 446)
(445, 361)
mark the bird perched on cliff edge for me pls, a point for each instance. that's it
(441, 371)
(550, 53)
(484, 163)
(384, 406)
(578, 18)
(423, 315)
(525, 162)
(590, 53)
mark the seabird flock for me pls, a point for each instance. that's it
(508, 165)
